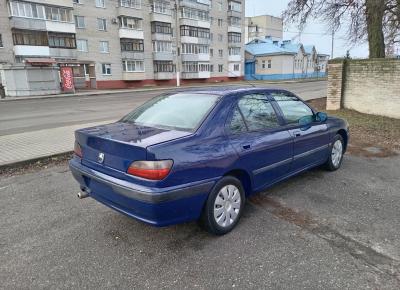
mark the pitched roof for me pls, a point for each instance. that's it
(266, 48)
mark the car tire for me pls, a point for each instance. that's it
(336, 152)
(224, 206)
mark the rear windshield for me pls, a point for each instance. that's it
(182, 111)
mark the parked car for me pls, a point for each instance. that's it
(197, 155)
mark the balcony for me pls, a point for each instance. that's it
(132, 55)
(190, 39)
(234, 58)
(131, 12)
(160, 17)
(163, 56)
(233, 13)
(130, 33)
(195, 23)
(65, 27)
(133, 76)
(63, 53)
(195, 57)
(232, 28)
(199, 4)
(161, 36)
(42, 25)
(30, 50)
(196, 75)
(163, 75)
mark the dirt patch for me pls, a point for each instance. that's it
(370, 135)
(301, 219)
(32, 166)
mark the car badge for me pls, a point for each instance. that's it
(100, 158)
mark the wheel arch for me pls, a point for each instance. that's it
(244, 178)
(345, 137)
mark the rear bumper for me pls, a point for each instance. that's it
(156, 206)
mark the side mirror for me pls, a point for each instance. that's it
(321, 117)
(305, 121)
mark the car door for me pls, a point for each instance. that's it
(310, 141)
(264, 147)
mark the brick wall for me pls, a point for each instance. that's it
(369, 86)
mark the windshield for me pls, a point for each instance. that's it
(182, 111)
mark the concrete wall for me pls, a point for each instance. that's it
(21, 80)
(368, 86)
(6, 51)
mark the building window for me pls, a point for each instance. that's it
(161, 27)
(162, 46)
(220, 53)
(234, 6)
(220, 68)
(195, 14)
(82, 45)
(133, 65)
(236, 67)
(211, 68)
(106, 68)
(234, 21)
(79, 21)
(220, 22)
(101, 24)
(190, 66)
(263, 64)
(161, 7)
(204, 67)
(269, 63)
(234, 37)
(101, 3)
(193, 48)
(1, 41)
(104, 47)
(195, 31)
(130, 22)
(220, 37)
(234, 50)
(131, 3)
(128, 44)
(163, 66)
(38, 11)
(219, 5)
(211, 52)
(62, 40)
(76, 1)
(30, 37)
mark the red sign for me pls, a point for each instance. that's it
(67, 79)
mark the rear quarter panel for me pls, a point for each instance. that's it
(204, 155)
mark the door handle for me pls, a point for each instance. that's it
(247, 146)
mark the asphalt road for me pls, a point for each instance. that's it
(30, 115)
(319, 230)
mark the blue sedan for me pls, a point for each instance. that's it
(197, 155)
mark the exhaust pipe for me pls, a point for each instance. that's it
(83, 193)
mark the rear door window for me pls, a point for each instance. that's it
(258, 112)
(292, 108)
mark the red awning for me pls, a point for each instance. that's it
(40, 61)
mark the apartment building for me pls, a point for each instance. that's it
(263, 25)
(127, 43)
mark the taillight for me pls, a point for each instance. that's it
(78, 149)
(154, 170)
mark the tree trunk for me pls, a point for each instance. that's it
(375, 12)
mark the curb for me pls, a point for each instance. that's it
(46, 160)
(154, 89)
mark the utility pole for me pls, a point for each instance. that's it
(333, 42)
(177, 58)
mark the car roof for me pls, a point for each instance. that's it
(225, 90)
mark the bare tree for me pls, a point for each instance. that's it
(377, 21)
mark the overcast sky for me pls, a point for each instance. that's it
(316, 33)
